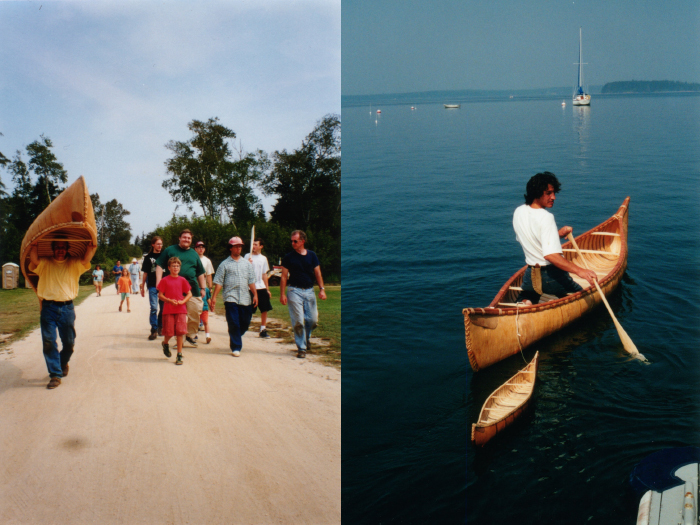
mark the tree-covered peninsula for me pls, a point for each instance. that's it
(653, 86)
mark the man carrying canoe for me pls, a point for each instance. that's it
(536, 231)
(58, 286)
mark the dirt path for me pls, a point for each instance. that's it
(129, 437)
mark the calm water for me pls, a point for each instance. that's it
(428, 197)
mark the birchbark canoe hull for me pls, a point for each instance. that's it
(491, 333)
(506, 404)
(69, 217)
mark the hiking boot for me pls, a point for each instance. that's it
(191, 341)
(178, 361)
(236, 353)
(64, 370)
(264, 334)
(153, 335)
(166, 350)
(55, 381)
(301, 354)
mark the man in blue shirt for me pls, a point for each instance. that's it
(117, 272)
(301, 267)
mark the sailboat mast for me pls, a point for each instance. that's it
(580, 61)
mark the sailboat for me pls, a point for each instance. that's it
(581, 98)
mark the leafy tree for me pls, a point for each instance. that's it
(203, 171)
(50, 173)
(307, 180)
(307, 183)
(112, 228)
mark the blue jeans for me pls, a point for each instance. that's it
(303, 314)
(555, 281)
(238, 319)
(62, 319)
(156, 320)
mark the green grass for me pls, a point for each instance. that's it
(19, 312)
(328, 324)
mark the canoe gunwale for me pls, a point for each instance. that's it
(490, 314)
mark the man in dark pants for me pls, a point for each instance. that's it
(535, 230)
(236, 277)
(58, 286)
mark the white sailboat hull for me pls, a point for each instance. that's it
(584, 100)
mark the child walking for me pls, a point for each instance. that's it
(174, 291)
(124, 287)
(204, 318)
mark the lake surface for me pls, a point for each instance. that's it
(428, 197)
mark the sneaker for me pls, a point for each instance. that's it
(55, 381)
(236, 353)
(301, 354)
(191, 341)
(178, 361)
(160, 332)
(208, 340)
(166, 350)
(153, 335)
(264, 334)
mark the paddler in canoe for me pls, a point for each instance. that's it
(536, 231)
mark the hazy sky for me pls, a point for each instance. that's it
(393, 46)
(111, 82)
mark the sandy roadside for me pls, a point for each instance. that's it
(129, 437)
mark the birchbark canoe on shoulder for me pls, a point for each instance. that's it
(491, 333)
(506, 404)
(69, 217)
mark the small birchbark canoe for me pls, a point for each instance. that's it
(505, 404)
(69, 217)
(503, 328)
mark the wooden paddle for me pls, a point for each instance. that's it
(626, 340)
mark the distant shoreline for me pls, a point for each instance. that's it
(465, 97)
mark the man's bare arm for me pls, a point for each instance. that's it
(283, 285)
(319, 279)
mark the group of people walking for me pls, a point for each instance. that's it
(182, 288)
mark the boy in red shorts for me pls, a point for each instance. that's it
(174, 291)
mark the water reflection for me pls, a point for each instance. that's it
(581, 125)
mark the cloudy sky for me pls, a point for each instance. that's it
(111, 82)
(395, 46)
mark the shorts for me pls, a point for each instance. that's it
(263, 301)
(174, 324)
(96, 281)
(124, 295)
(205, 316)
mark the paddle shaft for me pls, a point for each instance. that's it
(626, 340)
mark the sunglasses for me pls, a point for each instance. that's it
(294, 242)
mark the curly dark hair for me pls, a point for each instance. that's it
(538, 184)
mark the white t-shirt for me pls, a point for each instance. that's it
(536, 231)
(208, 266)
(260, 266)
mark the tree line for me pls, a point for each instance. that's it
(209, 170)
(653, 86)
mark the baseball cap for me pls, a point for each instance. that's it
(199, 243)
(235, 241)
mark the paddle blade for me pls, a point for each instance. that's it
(627, 343)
